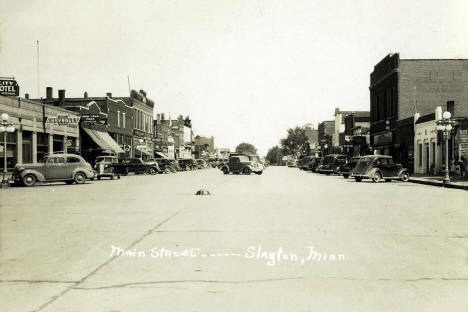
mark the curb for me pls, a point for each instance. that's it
(439, 184)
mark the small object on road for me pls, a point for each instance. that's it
(203, 192)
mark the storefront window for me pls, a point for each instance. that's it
(27, 147)
(58, 143)
(42, 144)
(11, 150)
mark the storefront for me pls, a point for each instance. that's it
(40, 129)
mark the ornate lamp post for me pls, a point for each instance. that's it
(446, 125)
(5, 127)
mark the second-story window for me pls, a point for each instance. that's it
(118, 118)
(123, 119)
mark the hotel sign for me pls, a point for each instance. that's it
(63, 120)
(9, 87)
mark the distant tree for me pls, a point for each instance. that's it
(296, 143)
(274, 155)
(246, 148)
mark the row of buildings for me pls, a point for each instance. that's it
(407, 98)
(93, 126)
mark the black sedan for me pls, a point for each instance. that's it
(346, 169)
(378, 167)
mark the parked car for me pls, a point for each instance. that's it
(68, 168)
(104, 167)
(346, 169)
(314, 163)
(303, 162)
(291, 163)
(201, 163)
(239, 163)
(187, 164)
(136, 165)
(165, 165)
(332, 163)
(175, 165)
(378, 167)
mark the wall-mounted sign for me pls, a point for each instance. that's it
(9, 87)
(94, 119)
(63, 120)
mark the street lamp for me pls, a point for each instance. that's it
(5, 127)
(446, 125)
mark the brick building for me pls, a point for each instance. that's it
(356, 134)
(204, 147)
(401, 89)
(326, 130)
(339, 126)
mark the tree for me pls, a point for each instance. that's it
(296, 143)
(246, 148)
(274, 155)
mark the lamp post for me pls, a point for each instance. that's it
(446, 125)
(5, 127)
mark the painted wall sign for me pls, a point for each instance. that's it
(63, 120)
(9, 87)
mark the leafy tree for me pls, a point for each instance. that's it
(246, 148)
(296, 143)
(274, 155)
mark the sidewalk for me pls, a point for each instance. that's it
(437, 181)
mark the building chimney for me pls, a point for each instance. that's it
(26, 96)
(162, 116)
(61, 96)
(85, 95)
(49, 91)
(109, 94)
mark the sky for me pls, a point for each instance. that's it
(244, 70)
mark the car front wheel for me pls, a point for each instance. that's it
(29, 180)
(153, 171)
(404, 176)
(80, 178)
(377, 177)
(225, 170)
(345, 176)
(246, 171)
(358, 179)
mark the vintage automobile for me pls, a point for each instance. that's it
(303, 162)
(346, 169)
(104, 167)
(175, 165)
(201, 163)
(332, 163)
(314, 163)
(69, 168)
(137, 166)
(165, 165)
(240, 163)
(291, 163)
(186, 164)
(378, 167)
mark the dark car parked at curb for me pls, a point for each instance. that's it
(303, 162)
(136, 165)
(346, 169)
(314, 163)
(68, 168)
(378, 167)
(165, 165)
(187, 164)
(240, 163)
(332, 163)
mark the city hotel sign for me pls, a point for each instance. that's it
(9, 87)
(63, 120)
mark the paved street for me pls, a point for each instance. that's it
(390, 246)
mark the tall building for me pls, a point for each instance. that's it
(326, 130)
(401, 90)
(339, 127)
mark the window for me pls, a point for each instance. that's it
(420, 155)
(451, 107)
(57, 160)
(73, 160)
(118, 118)
(123, 119)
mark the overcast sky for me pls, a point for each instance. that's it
(244, 70)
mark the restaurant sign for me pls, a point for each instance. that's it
(9, 87)
(63, 120)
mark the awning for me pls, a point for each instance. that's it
(161, 155)
(104, 140)
(144, 151)
(109, 141)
